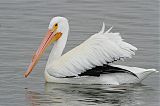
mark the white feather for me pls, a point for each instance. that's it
(99, 49)
(109, 30)
(111, 79)
(102, 29)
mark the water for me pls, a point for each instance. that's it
(23, 24)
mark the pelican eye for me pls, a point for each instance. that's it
(56, 24)
(54, 28)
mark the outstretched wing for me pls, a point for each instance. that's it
(101, 48)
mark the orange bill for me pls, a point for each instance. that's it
(49, 38)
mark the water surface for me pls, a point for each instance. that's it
(23, 24)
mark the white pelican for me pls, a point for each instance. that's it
(83, 64)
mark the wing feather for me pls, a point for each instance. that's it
(101, 48)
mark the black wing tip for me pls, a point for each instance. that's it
(106, 69)
(129, 72)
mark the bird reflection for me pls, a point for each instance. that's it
(68, 94)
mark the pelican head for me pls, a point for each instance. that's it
(58, 27)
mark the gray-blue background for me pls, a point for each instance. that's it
(23, 24)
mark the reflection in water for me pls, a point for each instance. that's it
(67, 94)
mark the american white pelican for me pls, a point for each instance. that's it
(83, 64)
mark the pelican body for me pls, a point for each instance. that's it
(79, 65)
